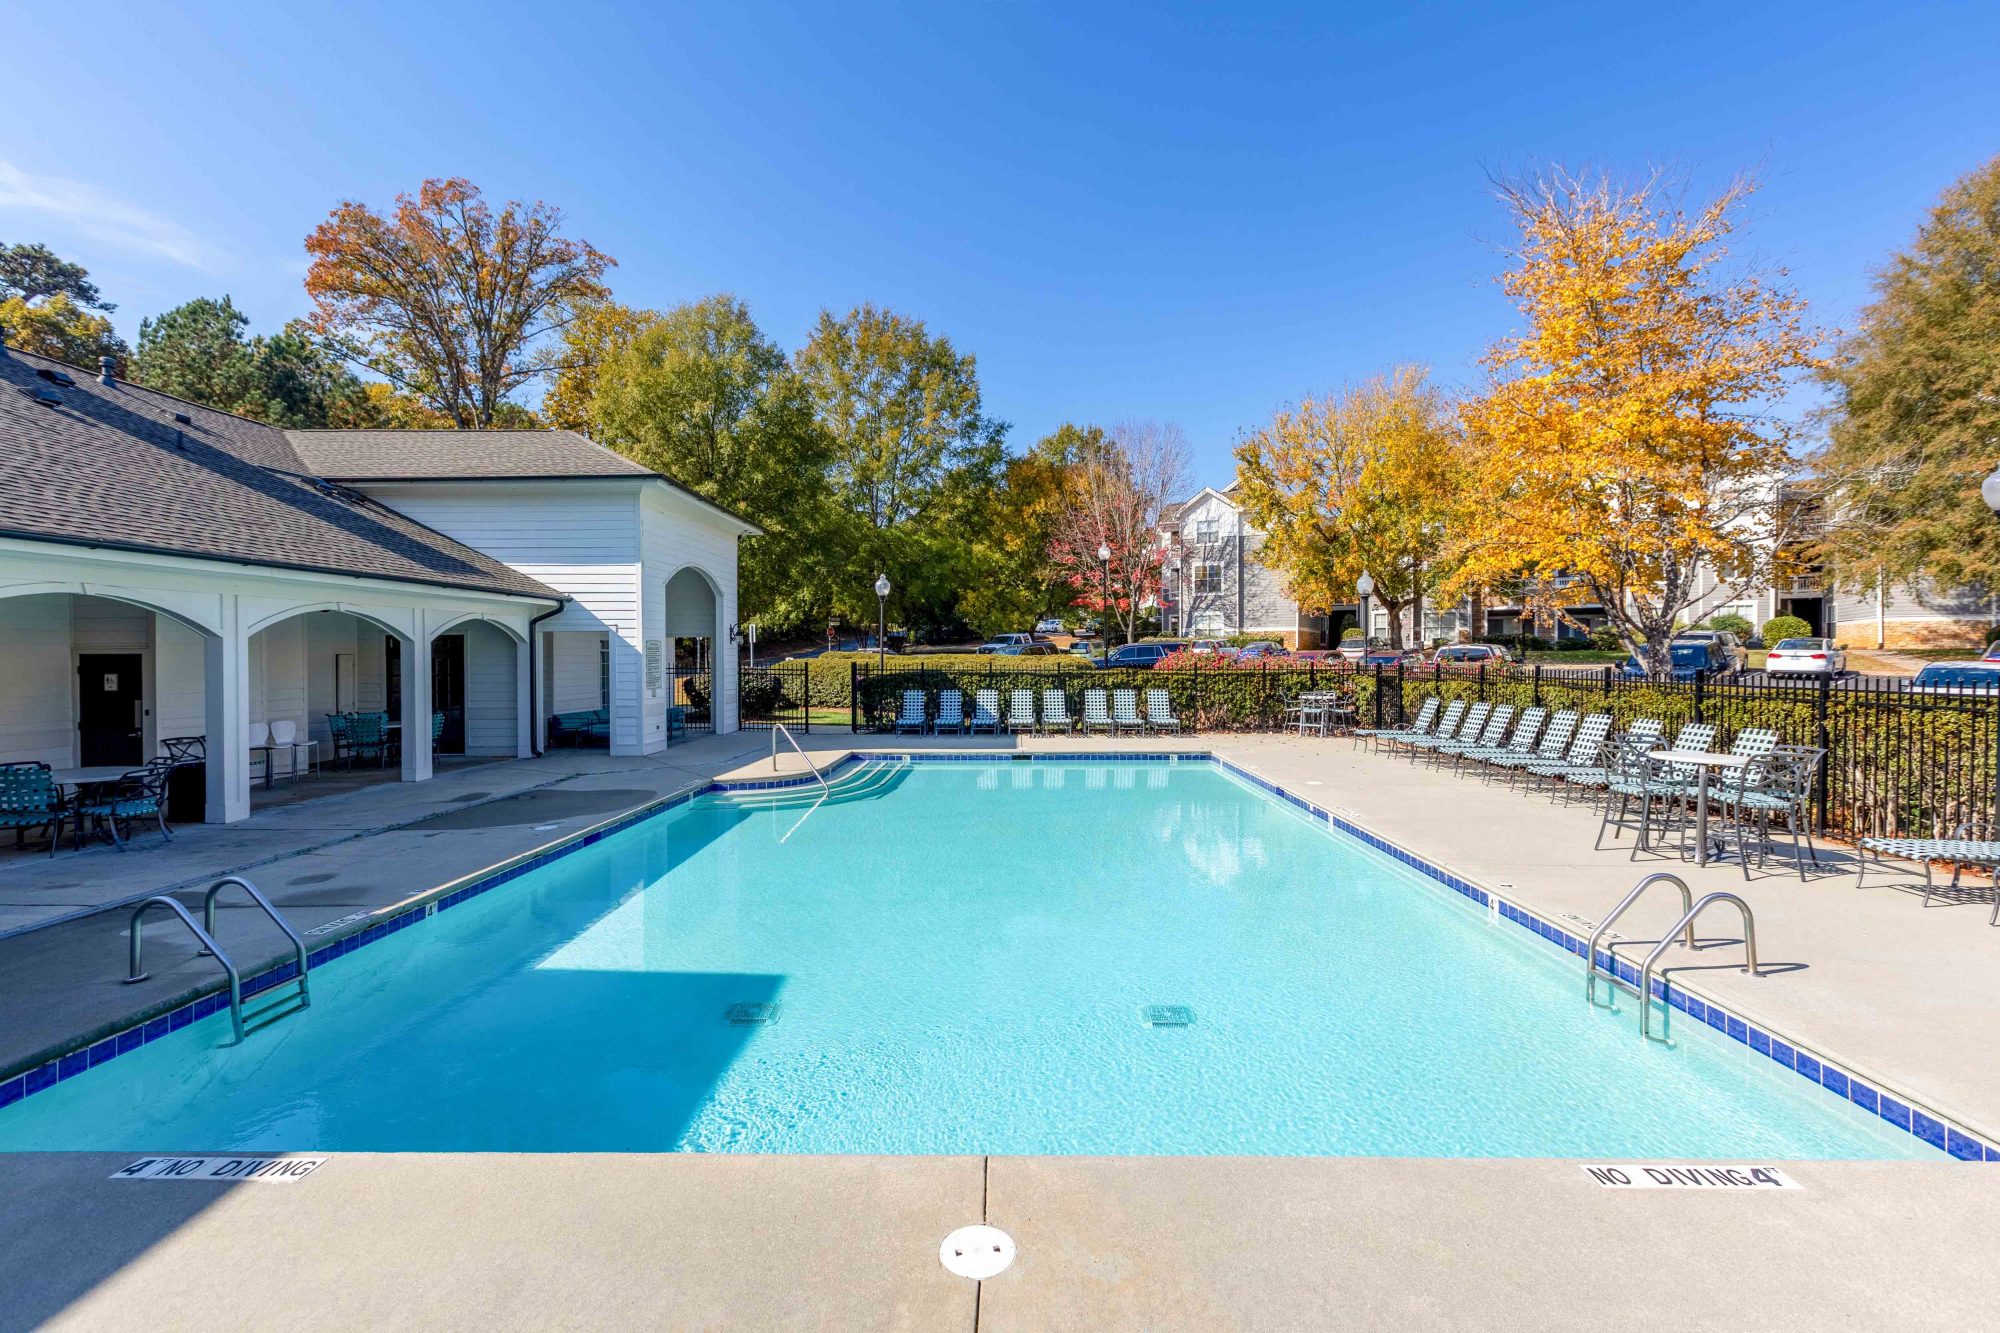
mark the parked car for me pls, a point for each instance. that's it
(1138, 654)
(1083, 648)
(1388, 657)
(1027, 650)
(1693, 659)
(1979, 677)
(1732, 647)
(1806, 657)
(1261, 648)
(1049, 626)
(1208, 647)
(1318, 655)
(1353, 649)
(1471, 655)
(1000, 642)
(1992, 653)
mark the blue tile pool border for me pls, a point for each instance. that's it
(1902, 1113)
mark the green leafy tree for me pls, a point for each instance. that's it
(1916, 423)
(914, 455)
(1016, 579)
(701, 395)
(598, 334)
(60, 328)
(36, 273)
(199, 351)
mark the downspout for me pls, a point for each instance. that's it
(534, 673)
(1241, 628)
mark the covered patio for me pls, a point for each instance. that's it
(120, 660)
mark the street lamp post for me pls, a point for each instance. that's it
(881, 622)
(1104, 616)
(1364, 585)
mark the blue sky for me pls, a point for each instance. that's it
(1180, 214)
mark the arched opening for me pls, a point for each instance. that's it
(692, 624)
(474, 688)
(88, 680)
(308, 669)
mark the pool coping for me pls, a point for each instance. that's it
(1948, 1133)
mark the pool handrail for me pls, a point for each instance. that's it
(778, 729)
(1590, 968)
(1687, 923)
(209, 946)
(298, 944)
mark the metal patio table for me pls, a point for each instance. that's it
(1705, 762)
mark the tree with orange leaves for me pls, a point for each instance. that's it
(1625, 450)
(447, 299)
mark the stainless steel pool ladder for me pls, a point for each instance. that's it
(778, 729)
(1687, 923)
(205, 935)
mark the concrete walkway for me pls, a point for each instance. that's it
(692, 1242)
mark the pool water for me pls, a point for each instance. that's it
(961, 957)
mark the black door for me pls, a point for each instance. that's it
(448, 690)
(110, 709)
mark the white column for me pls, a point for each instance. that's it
(226, 717)
(415, 653)
(525, 711)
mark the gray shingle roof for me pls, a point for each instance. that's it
(409, 455)
(108, 465)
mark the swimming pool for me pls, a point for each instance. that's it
(962, 958)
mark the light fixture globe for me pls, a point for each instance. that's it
(1989, 491)
(1365, 585)
(1103, 550)
(881, 585)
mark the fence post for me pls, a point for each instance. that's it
(1482, 682)
(1378, 694)
(1536, 672)
(1697, 698)
(854, 698)
(1823, 738)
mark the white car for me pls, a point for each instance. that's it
(1806, 657)
(1209, 647)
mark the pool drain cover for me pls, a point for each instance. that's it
(1168, 1016)
(977, 1252)
(753, 1014)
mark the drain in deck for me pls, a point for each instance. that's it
(977, 1252)
(753, 1014)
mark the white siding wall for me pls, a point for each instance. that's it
(580, 538)
(676, 532)
(575, 672)
(180, 661)
(37, 711)
(489, 690)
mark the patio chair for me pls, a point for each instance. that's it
(1420, 725)
(140, 794)
(1468, 730)
(1586, 751)
(336, 730)
(985, 712)
(912, 718)
(1527, 731)
(1125, 712)
(1779, 782)
(1961, 849)
(1160, 713)
(30, 799)
(368, 737)
(1446, 728)
(1021, 711)
(1096, 712)
(437, 728)
(1055, 712)
(1489, 737)
(1555, 743)
(951, 713)
(1644, 733)
(1673, 785)
(285, 736)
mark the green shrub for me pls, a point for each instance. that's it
(1785, 627)
(1353, 633)
(1605, 639)
(1732, 623)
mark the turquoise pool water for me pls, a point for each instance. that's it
(961, 955)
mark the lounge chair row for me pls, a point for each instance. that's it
(1580, 754)
(944, 713)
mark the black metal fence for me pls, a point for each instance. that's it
(692, 692)
(1899, 762)
(778, 693)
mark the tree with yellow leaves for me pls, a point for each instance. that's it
(1625, 451)
(1367, 480)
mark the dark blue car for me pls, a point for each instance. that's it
(1695, 659)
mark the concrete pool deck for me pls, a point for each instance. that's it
(418, 1240)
